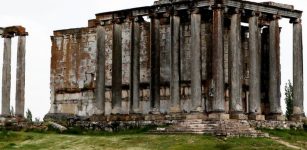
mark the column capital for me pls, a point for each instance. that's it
(217, 7)
(105, 22)
(8, 35)
(194, 10)
(117, 20)
(137, 19)
(274, 17)
(255, 13)
(295, 20)
(154, 16)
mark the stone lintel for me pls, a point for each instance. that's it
(218, 116)
(9, 32)
(256, 117)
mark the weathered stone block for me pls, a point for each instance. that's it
(218, 116)
(238, 116)
(256, 117)
(174, 109)
(276, 117)
(297, 118)
(196, 116)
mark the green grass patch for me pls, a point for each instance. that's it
(129, 140)
(295, 137)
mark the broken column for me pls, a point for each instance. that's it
(6, 75)
(298, 78)
(274, 75)
(20, 76)
(254, 59)
(196, 60)
(236, 105)
(217, 86)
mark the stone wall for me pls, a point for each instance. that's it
(73, 71)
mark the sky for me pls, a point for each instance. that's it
(41, 18)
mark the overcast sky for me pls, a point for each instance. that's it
(42, 17)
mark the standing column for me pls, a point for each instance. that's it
(274, 76)
(217, 85)
(135, 64)
(254, 81)
(298, 80)
(236, 105)
(117, 68)
(175, 49)
(100, 82)
(6, 75)
(20, 76)
(196, 60)
(155, 63)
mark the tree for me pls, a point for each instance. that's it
(29, 115)
(289, 99)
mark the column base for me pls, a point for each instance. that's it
(298, 117)
(276, 117)
(155, 111)
(175, 109)
(116, 110)
(256, 117)
(218, 116)
(238, 116)
(196, 116)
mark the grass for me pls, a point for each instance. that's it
(295, 137)
(133, 140)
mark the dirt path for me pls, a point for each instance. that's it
(278, 140)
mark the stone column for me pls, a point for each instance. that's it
(6, 76)
(135, 64)
(100, 81)
(298, 80)
(254, 106)
(175, 49)
(236, 104)
(196, 60)
(217, 84)
(155, 63)
(274, 75)
(117, 68)
(20, 76)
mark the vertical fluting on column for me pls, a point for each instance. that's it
(155, 63)
(117, 68)
(274, 65)
(6, 76)
(175, 49)
(236, 105)
(196, 60)
(135, 64)
(20, 76)
(298, 75)
(217, 87)
(254, 81)
(100, 81)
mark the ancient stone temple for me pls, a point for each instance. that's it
(8, 33)
(208, 59)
